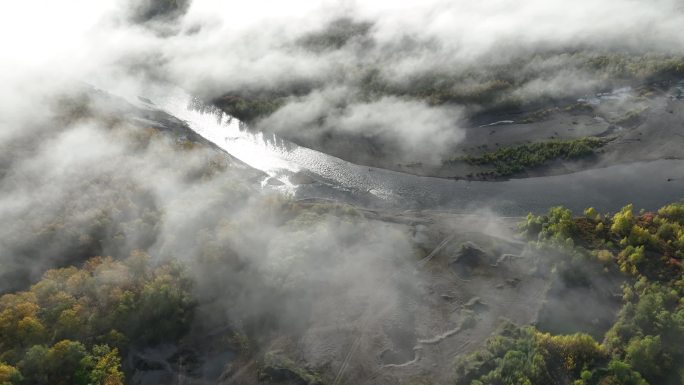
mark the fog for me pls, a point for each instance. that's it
(213, 48)
(82, 174)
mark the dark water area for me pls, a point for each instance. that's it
(648, 185)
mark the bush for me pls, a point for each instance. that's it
(673, 212)
(9, 375)
(623, 221)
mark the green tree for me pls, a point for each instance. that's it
(107, 368)
(33, 365)
(623, 221)
(9, 375)
(646, 356)
(623, 374)
(592, 214)
(67, 363)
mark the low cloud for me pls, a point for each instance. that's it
(308, 50)
(409, 130)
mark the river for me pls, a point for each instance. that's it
(306, 173)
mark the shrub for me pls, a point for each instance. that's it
(623, 221)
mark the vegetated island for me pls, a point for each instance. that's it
(514, 160)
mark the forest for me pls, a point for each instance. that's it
(645, 345)
(76, 324)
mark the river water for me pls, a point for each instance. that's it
(306, 173)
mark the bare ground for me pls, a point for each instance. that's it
(419, 317)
